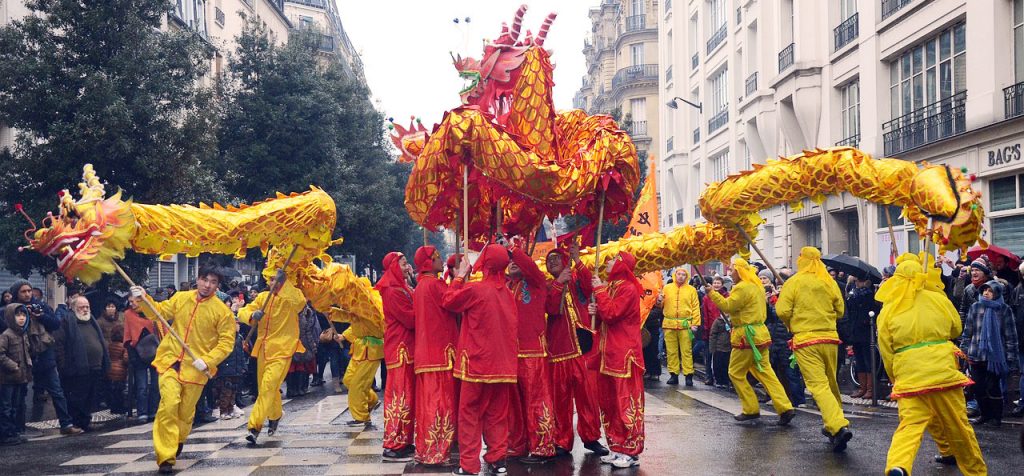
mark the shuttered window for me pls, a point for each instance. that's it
(1008, 232)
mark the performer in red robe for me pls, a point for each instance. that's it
(572, 381)
(485, 359)
(532, 424)
(436, 386)
(620, 384)
(399, 322)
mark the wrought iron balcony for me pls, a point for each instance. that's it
(717, 39)
(635, 73)
(718, 120)
(670, 143)
(852, 141)
(695, 61)
(668, 73)
(668, 5)
(936, 121)
(1013, 98)
(751, 84)
(636, 23)
(310, 3)
(847, 31)
(892, 6)
(326, 43)
(638, 129)
(786, 57)
(696, 135)
(739, 15)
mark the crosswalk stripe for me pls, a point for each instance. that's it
(726, 404)
(654, 406)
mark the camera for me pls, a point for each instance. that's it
(35, 308)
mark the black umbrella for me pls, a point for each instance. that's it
(230, 273)
(853, 266)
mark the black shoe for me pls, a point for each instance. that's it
(973, 412)
(252, 435)
(594, 447)
(203, 418)
(1018, 412)
(982, 420)
(499, 467)
(747, 416)
(948, 460)
(272, 427)
(532, 459)
(673, 379)
(316, 382)
(357, 423)
(840, 439)
(786, 417)
(180, 447)
(560, 452)
(461, 471)
(689, 380)
(897, 472)
(166, 468)
(399, 456)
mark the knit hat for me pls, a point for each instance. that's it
(982, 264)
(765, 274)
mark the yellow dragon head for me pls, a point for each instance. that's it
(88, 234)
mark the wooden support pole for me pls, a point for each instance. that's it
(746, 236)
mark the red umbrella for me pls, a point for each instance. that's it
(1012, 260)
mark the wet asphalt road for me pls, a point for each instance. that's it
(685, 435)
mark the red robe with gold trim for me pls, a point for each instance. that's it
(399, 338)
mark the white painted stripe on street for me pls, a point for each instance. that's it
(654, 406)
(323, 412)
(816, 412)
(726, 404)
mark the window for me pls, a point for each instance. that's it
(716, 9)
(637, 7)
(719, 167)
(931, 71)
(1018, 40)
(636, 54)
(894, 216)
(849, 106)
(719, 93)
(846, 9)
(306, 23)
(746, 156)
(638, 108)
(1006, 201)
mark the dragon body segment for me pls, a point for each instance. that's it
(90, 234)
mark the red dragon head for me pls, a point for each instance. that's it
(490, 79)
(408, 141)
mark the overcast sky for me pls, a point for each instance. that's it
(405, 47)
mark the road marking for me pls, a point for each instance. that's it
(654, 406)
(323, 412)
(816, 412)
(123, 458)
(726, 404)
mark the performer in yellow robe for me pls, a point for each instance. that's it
(208, 328)
(367, 351)
(915, 329)
(682, 319)
(750, 341)
(809, 304)
(277, 338)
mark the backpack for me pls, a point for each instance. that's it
(145, 347)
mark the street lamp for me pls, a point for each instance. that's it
(672, 104)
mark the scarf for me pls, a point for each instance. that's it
(990, 339)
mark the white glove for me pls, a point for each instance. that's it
(137, 291)
(199, 365)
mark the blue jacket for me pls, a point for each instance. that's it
(46, 360)
(236, 362)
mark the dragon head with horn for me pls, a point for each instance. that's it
(87, 234)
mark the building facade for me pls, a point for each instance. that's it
(622, 68)
(935, 81)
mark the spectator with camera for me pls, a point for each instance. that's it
(42, 323)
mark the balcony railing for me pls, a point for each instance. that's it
(310, 3)
(636, 22)
(635, 73)
(892, 6)
(695, 61)
(668, 5)
(718, 120)
(936, 121)
(847, 31)
(739, 15)
(786, 57)
(1013, 98)
(326, 43)
(218, 16)
(852, 141)
(751, 84)
(696, 135)
(668, 73)
(717, 39)
(670, 143)
(638, 129)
